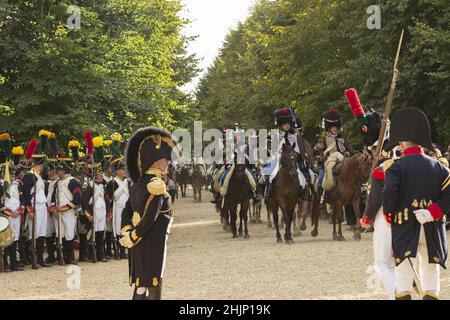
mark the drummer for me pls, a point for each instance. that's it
(13, 209)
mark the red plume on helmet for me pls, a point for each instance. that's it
(355, 104)
(32, 145)
(89, 143)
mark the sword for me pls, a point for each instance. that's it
(416, 277)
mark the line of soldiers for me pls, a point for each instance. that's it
(51, 201)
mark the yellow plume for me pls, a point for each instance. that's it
(97, 142)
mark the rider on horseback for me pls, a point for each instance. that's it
(331, 148)
(289, 131)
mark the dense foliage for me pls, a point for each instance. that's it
(304, 53)
(121, 70)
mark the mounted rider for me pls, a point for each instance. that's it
(239, 153)
(289, 132)
(331, 147)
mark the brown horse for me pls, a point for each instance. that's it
(285, 192)
(352, 173)
(239, 193)
(198, 180)
(183, 179)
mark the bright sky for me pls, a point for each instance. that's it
(211, 21)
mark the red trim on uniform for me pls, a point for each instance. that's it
(378, 174)
(412, 151)
(77, 190)
(106, 196)
(388, 218)
(435, 211)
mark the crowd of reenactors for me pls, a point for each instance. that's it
(58, 201)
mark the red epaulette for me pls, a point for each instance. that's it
(378, 173)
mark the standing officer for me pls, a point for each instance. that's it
(416, 197)
(147, 215)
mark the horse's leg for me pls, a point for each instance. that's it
(233, 219)
(339, 213)
(334, 220)
(287, 218)
(275, 221)
(357, 231)
(243, 214)
(200, 194)
(269, 221)
(304, 213)
(315, 214)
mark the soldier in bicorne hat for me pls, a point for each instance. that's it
(147, 215)
(416, 198)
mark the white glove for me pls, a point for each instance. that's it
(126, 240)
(423, 216)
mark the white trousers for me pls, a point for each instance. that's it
(429, 273)
(15, 225)
(117, 218)
(41, 216)
(384, 263)
(100, 219)
(68, 225)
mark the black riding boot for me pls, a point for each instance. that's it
(12, 252)
(83, 247)
(40, 252)
(51, 249)
(215, 197)
(268, 191)
(154, 293)
(137, 296)
(108, 242)
(6, 267)
(70, 253)
(99, 244)
(25, 255)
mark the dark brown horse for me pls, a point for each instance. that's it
(183, 179)
(198, 180)
(352, 173)
(285, 192)
(239, 193)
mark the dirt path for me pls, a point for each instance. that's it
(204, 262)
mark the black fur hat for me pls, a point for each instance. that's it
(332, 118)
(410, 124)
(145, 147)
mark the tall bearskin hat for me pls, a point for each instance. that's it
(74, 147)
(332, 118)
(283, 116)
(6, 146)
(17, 153)
(43, 146)
(410, 124)
(99, 152)
(146, 146)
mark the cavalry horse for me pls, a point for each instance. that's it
(183, 179)
(198, 180)
(352, 173)
(239, 193)
(285, 192)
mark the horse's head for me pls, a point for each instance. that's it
(288, 160)
(364, 165)
(239, 170)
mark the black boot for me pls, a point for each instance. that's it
(403, 296)
(6, 267)
(40, 252)
(137, 296)
(215, 197)
(83, 247)
(26, 254)
(268, 191)
(12, 252)
(70, 253)
(99, 244)
(108, 242)
(51, 249)
(122, 250)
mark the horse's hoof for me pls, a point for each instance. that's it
(314, 233)
(297, 234)
(290, 241)
(235, 236)
(279, 240)
(224, 227)
(335, 237)
(357, 236)
(303, 227)
(246, 236)
(341, 238)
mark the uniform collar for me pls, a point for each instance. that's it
(154, 171)
(412, 151)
